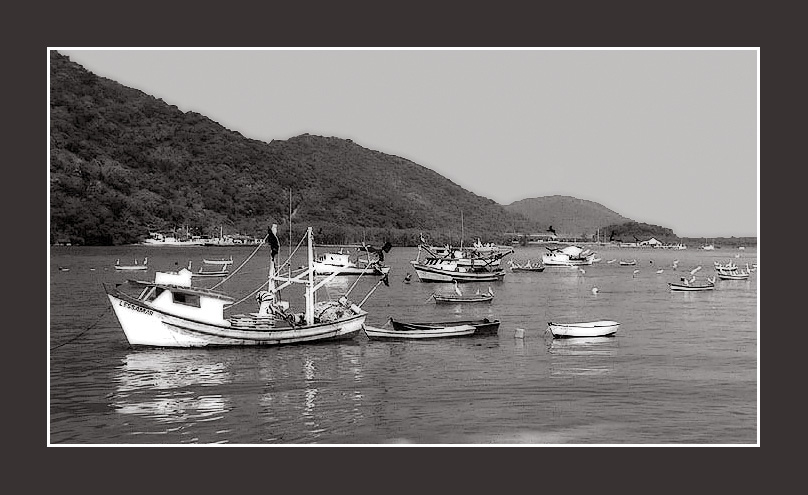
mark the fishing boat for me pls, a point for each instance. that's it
(627, 262)
(568, 256)
(730, 271)
(602, 328)
(133, 267)
(709, 247)
(483, 326)
(227, 261)
(171, 312)
(420, 333)
(341, 263)
(688, 286)
(527, 267)
(459, 297)
(435, 268)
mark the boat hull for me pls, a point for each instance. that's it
(689, 288)
(430, 274)
(461, 299)
(147, 326)
(320, 269)
(482, 327)
(730, 276)
(427, 333)
(590, 329)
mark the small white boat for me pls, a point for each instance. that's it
(601, 328)
(219, 261)
(628, 262)
(133, 267)
(421, 333)
(687, 286)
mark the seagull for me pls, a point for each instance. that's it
(693, 271)
(594, 290)
(635, 273)
(660, 271)
(407, 277)
(611, 261)
(581, 270)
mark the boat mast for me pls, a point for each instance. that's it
(271, 280)
(310, 285)
(461, 229)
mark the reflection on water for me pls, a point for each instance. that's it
(174, 374)
(581, 356)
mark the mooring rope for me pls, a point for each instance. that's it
(85, 330)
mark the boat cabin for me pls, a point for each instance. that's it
(202, 305)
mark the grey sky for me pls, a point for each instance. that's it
(667, 137)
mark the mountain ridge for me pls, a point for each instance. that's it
(124, 163)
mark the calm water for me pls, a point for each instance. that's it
(681, 370)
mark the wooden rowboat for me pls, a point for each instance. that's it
(449, 299)
(602, 328)
(422, 333)
(690, 288)
(483, 326)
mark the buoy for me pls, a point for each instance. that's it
(594, 290)
(519, 334)
(581, 270)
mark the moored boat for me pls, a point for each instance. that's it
(227, 261)
(568, 256)
(603, 328)
(132, 267)
(484, 326)
(459, 297)
(627, 262)
(434, 268)
(527, 267)
(688, 286)
(341, 264)
(170, 312)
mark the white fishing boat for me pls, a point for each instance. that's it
(341, 264)
(435, 268)
(628, 262)
(708, 247)
(420, 333)
(132, 267)
(568, 256)
(170, 312)
(602, 328)
(483, 326)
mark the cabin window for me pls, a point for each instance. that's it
(186, 299)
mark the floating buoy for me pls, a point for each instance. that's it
(519, 334)
(595, 290)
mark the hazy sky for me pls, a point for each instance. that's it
(667, 137)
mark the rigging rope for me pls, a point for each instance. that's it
(264, 240)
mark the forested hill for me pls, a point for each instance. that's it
(569, 217)
(124, 163)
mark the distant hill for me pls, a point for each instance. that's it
(124, 163)
(568, 216)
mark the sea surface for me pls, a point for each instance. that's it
(682, 369)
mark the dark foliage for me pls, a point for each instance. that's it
(124, 163)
